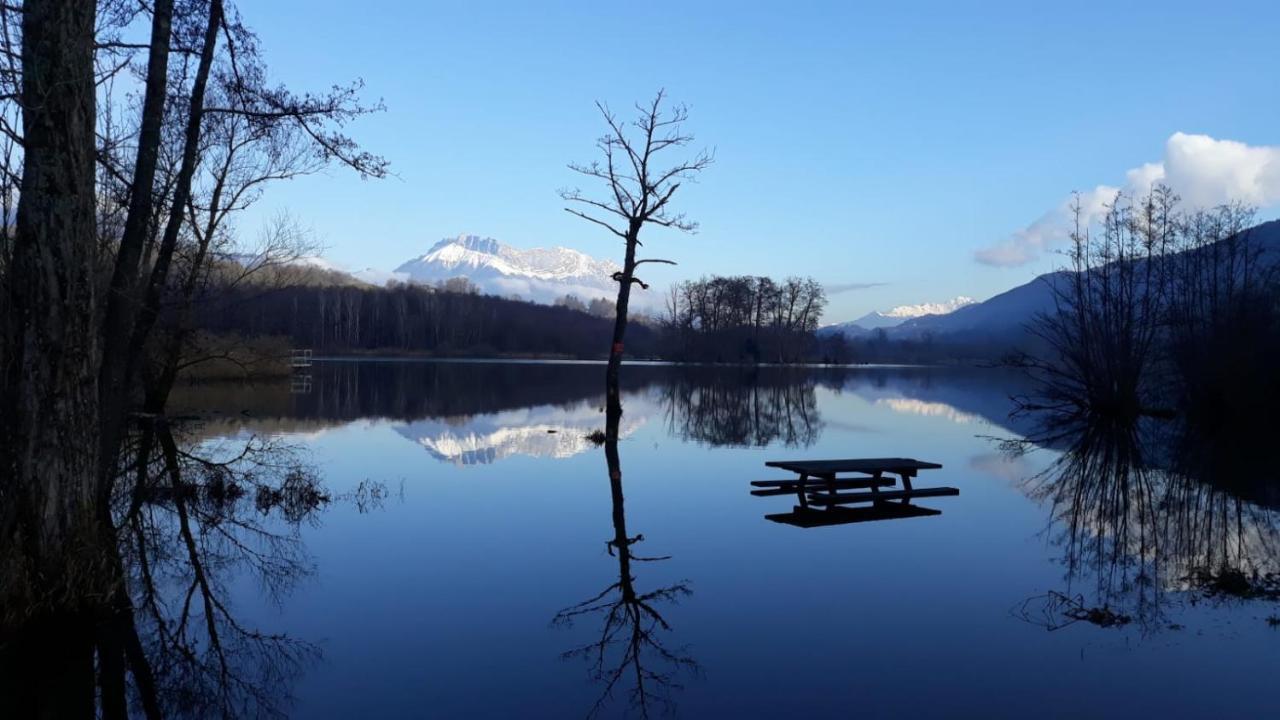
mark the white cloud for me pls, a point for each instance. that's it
(1203, 170)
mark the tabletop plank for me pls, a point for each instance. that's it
(862, 465)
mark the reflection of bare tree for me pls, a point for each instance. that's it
(188, 519)
(204, 516)
(752, 408)
(630, 647)
(1139, 513)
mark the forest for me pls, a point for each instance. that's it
(743, 319)
(713, 319)
(412, 319)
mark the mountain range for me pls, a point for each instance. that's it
(1006, 315)
(877, 320)
(548, 274)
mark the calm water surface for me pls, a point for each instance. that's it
(480, 581)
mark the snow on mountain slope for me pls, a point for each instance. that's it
(540, 274)
(904, 312)
(875, 320)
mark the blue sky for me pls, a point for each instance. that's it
(856, 145)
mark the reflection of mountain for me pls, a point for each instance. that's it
(545, 432)
(716, 405)
(961, 394)
(912, 406)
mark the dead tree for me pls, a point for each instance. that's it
(639, 193)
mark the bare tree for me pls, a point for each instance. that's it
(639, 193)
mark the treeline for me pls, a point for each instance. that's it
(413, 319)
(743, 319)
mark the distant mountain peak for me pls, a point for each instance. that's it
(475, 243)
(876, 320)
(540, 274)
(942, 308)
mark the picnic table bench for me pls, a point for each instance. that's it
(820, 482)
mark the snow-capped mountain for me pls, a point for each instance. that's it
(892, 318)
(540, 274)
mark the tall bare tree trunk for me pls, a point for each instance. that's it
(121, 301)
(613, 373)
(130, 352)
(50, 403)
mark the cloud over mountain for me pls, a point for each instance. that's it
(1205, 171)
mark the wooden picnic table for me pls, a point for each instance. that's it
(824, 475)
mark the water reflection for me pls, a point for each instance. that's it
(1148, 515)
(743, 407)
(1144, 521)
(474, 413)
(631, 648)
(544, 431)
(469, 413)
(189, 519)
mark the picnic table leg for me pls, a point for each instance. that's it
(802, 491)
(875, 487)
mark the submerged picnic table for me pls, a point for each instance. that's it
(820, 482)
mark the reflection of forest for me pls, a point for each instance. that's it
(715, 405)
(345, 391)
(1141, 510)
(743, 408)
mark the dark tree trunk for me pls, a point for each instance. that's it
(613, 372)
(50, 403)
(48, 408)
(132, 351)
(121, 299)
(182, 188)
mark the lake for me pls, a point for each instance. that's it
(467, 564)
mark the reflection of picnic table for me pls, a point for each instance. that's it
(820, 483)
